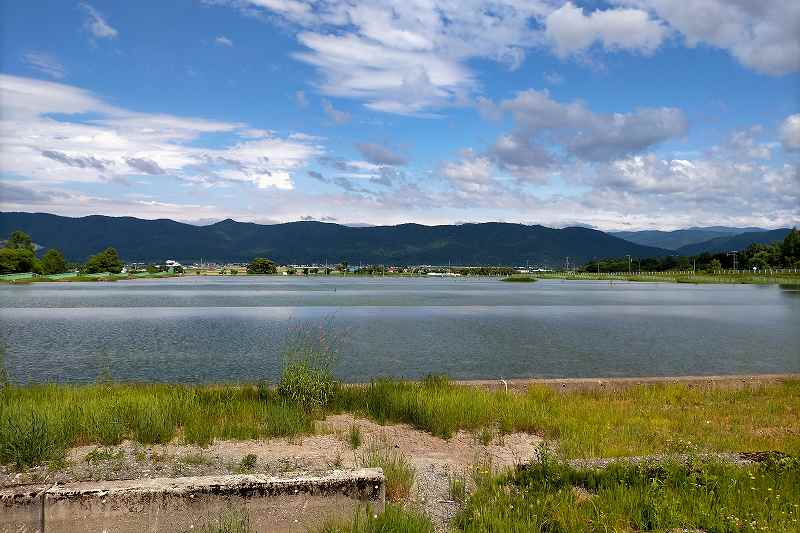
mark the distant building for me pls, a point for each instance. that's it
(171, 264)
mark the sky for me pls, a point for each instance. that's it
(619, 115)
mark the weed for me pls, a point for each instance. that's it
(457, 488)
(485, 436)
(309, 357)
(104, 454)
(196, 459)
(229, 521)
(394, 519)
(398, 471)
(355, 436)
(247, 464)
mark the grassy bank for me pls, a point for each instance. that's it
(37, 423)
(72, 278)
(666, 496)
(680, 277)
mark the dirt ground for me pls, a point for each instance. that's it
(436, 460)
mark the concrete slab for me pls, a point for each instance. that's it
(272, 503)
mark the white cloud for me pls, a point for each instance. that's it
(744, 144)
(96, 24)
(472, 174)
(120, 143)
(300, 98)
(762, 35)
(337, 116)
(553, 78)
(223, 41)
(45, 63)
(572, 31)
(790, 132)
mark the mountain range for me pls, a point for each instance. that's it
(673, 240)
(490, 243)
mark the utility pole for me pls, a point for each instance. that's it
(629, 262)
(734, 260)
(567, 263)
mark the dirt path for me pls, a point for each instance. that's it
(436, 460)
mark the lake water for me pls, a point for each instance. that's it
(204, 329)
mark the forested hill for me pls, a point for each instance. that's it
(734, 242)
(307, 242)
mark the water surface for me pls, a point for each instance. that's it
(203, 329)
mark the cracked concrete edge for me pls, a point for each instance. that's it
(365, 483)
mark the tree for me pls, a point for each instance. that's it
(342, 267)
(16, 260)
(53, 262)
(790, 249)
(105, 261)
(714, 266)
(261, 265)
(20, 240)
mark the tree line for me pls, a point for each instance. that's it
(782, 254)
(18, 255)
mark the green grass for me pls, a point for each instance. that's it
(680, 277)
(229, 521)
(398, 471)
(38, 422)
(519, 279)
(354, 436)
(394, 519)
(701, 495)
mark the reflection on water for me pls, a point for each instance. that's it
(211, 329)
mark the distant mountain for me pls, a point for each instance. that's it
(672, 240)
(306, 242)
(734, 242)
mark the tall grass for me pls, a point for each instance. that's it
(38, 422)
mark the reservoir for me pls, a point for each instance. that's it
(228, 329)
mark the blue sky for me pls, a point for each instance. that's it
(620, 115)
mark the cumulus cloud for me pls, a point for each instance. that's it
(96, 24)
(336, 115)
(380, 155)
(571, 30)
(761, 35)
(582, 132)
(790, 132)
(118, 142)
(45, 63)
(745, 144)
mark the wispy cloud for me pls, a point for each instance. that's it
(337, 116)
(96, 24)
(45, 63)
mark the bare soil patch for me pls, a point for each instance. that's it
(436, 460)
